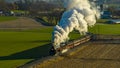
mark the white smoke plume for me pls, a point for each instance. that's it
(79, 15)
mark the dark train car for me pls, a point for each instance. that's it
(73, 44)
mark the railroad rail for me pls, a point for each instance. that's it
(84, 39)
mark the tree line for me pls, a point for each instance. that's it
(49, 12)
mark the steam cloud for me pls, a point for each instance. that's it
(79, 15)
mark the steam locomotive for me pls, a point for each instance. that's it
(65, 47)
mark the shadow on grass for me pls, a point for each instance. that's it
(34, 53)
(40, 41)
(43, 22)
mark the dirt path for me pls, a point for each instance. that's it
(21, 22)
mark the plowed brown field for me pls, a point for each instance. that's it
(90, 55)
(21, 22)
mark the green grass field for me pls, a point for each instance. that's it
(7, 18)
(18, 48)
(112, 29)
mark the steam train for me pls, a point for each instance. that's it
(64, 48)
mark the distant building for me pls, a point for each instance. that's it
(1, 12)
(114, 21)
(106, 15)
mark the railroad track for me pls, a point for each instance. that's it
(89, 37)
(93, 54)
